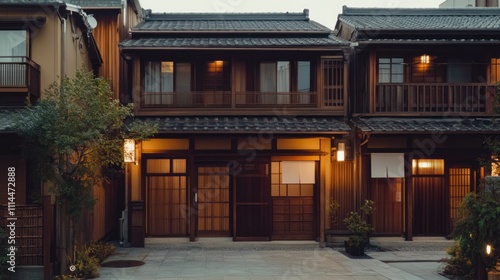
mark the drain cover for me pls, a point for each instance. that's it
(122, 263)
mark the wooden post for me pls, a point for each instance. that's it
(47, 226)
(192, 207)
(409, 199)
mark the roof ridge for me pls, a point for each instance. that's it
(276, 16)
(354, 11)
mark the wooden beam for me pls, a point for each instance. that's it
(409, 199)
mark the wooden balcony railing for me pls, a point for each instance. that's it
(224, 99)
(210, 99)
(19, 74)
(433, 98)
(273, 99)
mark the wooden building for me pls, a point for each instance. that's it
(113, 20)
(249, 108)
(423, 85)
(40, 42)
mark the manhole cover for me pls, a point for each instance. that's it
(122, 263)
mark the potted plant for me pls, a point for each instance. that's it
(356, 243)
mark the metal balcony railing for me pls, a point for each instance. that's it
(19, 74)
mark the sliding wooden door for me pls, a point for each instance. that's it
(252, 198)
(166, 185)
(213, 201)
(387, 217)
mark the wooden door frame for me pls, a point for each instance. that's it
(194, 191)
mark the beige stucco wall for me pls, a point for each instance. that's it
(45, 43)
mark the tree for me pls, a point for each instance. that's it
(75, 132)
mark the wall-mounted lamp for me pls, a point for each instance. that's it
(425, 59)
(341, 151)
(129, 150)
(489, 249)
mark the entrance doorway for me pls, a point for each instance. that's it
(429, 197)
(213, 201)
(166, 193)
(293, 208)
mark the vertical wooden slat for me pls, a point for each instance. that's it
(343, 190)
(388, 213)
(213, 200)
(459, 185)
(47, 227)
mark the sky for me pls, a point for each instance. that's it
(322, 11)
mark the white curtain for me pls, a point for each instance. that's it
(304, 81)
(283, 86)
(298, 172)
(12, 49)
(387, 165)
(268, 82)
(167, 82)
(183, 84)
(152, 93)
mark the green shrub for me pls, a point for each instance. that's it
(358, 225)
(100, 250)
(87, 260)
(478, 225)
(458, 264)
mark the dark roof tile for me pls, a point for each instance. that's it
(82, 3)
(230, 42)
(248, 124)
(422, 19)
(428, 125)
(231, 26)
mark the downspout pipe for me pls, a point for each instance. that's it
(63, 45)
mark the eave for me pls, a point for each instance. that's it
(228, 32)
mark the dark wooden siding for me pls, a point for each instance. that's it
(343, 190)
(387, 193)
(429, 205)
(252, 218)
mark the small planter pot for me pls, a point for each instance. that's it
(354, 250)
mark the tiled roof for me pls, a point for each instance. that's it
(27, 2)
(222, 24)
(82, 3)
(428, 125)
(96, 3)
(422, 19)
(248, 124)
(414, 41)
(230, 30)
(230, 42)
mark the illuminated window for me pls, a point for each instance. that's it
(424, 59)
(428, 167)
(279, 188)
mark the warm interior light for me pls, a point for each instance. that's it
(341, 152)
(495, 166)
(129, 150)
(424, 59)
(215, 66)
(424, 164)
(488, 249)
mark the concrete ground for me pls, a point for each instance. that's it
(220, 258)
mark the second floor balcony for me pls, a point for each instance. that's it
(428, 98)
(226, 99)
(19, 77)
(310, 87)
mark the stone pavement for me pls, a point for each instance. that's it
(220, 258)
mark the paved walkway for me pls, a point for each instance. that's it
(223, 259)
